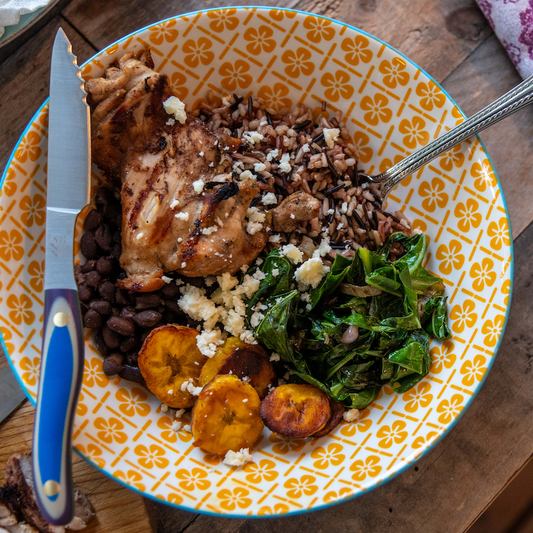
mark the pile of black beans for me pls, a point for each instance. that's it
(120, 319)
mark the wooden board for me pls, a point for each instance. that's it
(118, 510)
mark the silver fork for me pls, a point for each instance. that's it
(504, 106)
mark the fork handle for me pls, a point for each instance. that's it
(517, 98)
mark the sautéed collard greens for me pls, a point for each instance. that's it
(396, 305)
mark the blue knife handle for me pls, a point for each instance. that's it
(59, 387)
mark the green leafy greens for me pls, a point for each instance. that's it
(395, 324)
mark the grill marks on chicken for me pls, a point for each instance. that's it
(155, 161)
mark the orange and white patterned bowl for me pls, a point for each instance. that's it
(392, 109)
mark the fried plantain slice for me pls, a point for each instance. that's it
(295, 410)
(226, 416)
(169, 358)
(337, 410)
(243, 360)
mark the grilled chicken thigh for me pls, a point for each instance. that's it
(181, 210)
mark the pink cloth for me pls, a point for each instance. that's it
(512, 21)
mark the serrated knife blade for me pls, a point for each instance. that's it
(62, 351)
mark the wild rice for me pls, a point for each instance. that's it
(350, 213)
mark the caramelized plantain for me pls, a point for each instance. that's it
(242, 360)
(295, 410)
(226, 416)
(337, 410)
(169, 358)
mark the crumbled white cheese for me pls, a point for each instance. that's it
(272, 154)
(198, 185)
(259, 167)
(330, 211)
(340, 225)
(247, 175)
(256, 318)
(291, 252)
(209, 281)
(187, 428)
(183, 264)
(311, 272)
(252, 137)
(259, 275)
(174, 106)
(179, 413)
(227, 281)
(170, 122)
(305, 297)
(351, 415)
(275, 357)
(164, 408)
(237, 458)
(182, 215)
(194, 302)
(305, 148)
(284, 164)
(209, 230)
(344, 207)
(255, 215)
(323, 249)
(246, 379)
(201, 154)
(258, 261)
(330, 136)
(247, 336)
(226, 100)
(238, 166)
(253, 227)
(180, 239)
(174, 204)
(275, 272)
(190, 388)
(293, 216)
(249, 286)
(176, 426)
(166, 279)
(208, 340)
(269, 198)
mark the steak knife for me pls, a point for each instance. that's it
(11, 395)
(62, 345)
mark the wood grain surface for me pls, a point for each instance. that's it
(118, 510)
(451, 486)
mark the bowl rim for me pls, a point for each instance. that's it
(469, 399)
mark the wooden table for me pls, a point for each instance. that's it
(451, 486)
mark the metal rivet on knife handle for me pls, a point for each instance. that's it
(61, 319)
(51, 488)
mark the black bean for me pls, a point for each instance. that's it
(172, 305)
(131, 373)
(112, 210)
(117, 236)
(116, 312)
(192, 323)
(105, 266)
(117, 250)
(132, 358)
(147, 319)
(196, 282)
(130, 344)
(100, 344)
(85, 293)
(107, 291)
(92, 279)
(113, 364)
(169, 317)
(92, 220)
(147, 301)
(102, 306)
(128, 312)
(88, 245)
(118, 220)
(88, 266)
(104, 237)
(93, 319)
(103, 196)
(145, 334)
(121, 325)
(170, 290)
(79, 275)
(124, 297)
(111, 338)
